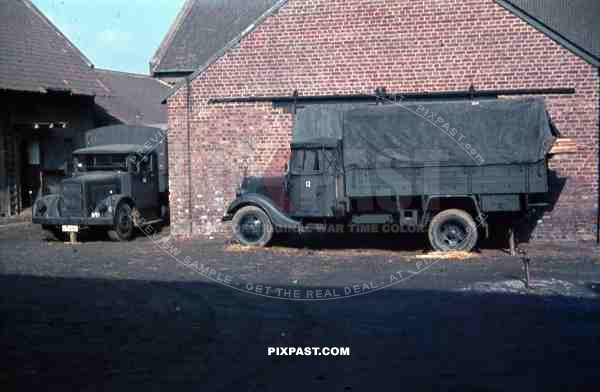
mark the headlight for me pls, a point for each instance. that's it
(102, 209)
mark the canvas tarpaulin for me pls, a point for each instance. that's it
(321, 120)
(463, 133)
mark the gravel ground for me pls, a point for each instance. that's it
(145, 316)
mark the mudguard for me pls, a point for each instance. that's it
(51, 204)
(278, 218)
(117, 199)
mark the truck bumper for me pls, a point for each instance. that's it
(60, 221)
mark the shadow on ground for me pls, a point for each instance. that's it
(101, 234)
(321, 241)
(89, 334)
(382, 241)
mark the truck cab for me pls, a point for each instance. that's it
(113, 188)
(307, 193)
(315, 178)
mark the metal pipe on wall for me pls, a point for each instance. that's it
(598, 158)
(380, 94)
(189, 152)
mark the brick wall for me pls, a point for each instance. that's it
(322, 47)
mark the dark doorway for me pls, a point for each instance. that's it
(30, 170)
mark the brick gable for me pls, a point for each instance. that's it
(323, 47)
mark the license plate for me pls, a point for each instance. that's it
(70, 229)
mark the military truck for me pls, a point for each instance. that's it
(447, 169)
(113, 187)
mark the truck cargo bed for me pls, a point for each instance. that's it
(447, 180)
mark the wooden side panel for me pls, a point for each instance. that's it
(445, 181)
(491, 180)
(538, 178)
(500, 179)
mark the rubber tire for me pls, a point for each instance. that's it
(53, 233)
(118, 235)
(266, 223)
(456, 215)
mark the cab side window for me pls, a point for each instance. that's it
(145, 167)
(311, 163)
(297, 161)
(306, 161)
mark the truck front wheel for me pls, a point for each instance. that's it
(123, 229)
(252, 227)
(453, 230)
(53, 233)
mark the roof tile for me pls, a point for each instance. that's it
(37, 57)
(577, 21)
(133, 99)
(202, 28)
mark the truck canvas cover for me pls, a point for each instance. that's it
(454, 133)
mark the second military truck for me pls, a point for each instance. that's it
(440, 167)
(119, 181)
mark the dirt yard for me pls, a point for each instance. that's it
(140, 316)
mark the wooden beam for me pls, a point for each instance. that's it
(564, 146)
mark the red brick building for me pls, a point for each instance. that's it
(345, 47)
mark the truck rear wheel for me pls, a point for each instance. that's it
(123, 229)
(453, 230)
(252, 227)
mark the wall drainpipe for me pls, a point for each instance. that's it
(598, 160)
(189, 151)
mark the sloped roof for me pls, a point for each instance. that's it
(36, 57)
(132, 98)
(573, 23)
(202, 28)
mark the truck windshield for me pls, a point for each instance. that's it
(101, 162)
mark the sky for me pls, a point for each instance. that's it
(120, 35)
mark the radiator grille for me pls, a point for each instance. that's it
(98, 192)
(71, 205)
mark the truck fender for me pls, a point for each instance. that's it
(278, 218)
(471, 201)
(118, 199)
(50, 205)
